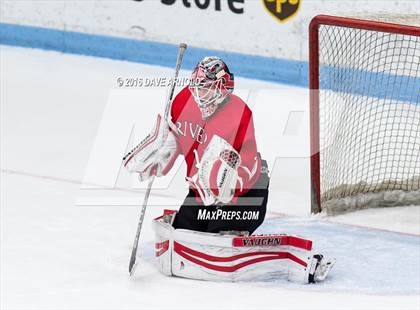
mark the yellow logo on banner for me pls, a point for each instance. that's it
(282, 10)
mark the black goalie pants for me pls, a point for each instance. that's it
(246, 215)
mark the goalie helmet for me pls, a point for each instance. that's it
(211, 84)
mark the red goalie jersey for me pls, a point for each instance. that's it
(233, 122)
(214, 130)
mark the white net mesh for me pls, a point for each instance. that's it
(369, 118)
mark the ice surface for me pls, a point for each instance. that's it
(58, 255)
(402, 219)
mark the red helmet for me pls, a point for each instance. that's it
(211, 84)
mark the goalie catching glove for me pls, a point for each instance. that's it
(217, 177)
(155, 155)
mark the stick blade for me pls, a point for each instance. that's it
(132, 263)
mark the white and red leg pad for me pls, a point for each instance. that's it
(208, 256)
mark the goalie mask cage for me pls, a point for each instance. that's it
(365, 114)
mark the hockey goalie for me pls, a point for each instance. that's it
(211, 236)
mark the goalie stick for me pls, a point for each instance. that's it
(132, 263)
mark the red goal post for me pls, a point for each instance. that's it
(340, 61)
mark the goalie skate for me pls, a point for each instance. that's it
(322, 268)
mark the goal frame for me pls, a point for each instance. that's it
(344, 22)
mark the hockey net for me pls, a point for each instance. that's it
(365, 114)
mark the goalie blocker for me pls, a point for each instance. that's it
(229, 257)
